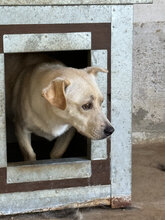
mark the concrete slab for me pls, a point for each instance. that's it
(148, 192)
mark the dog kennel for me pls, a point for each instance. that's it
(88, 32)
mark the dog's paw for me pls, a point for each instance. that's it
(31, 157)
(54, 155)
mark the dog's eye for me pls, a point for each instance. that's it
(87, 106)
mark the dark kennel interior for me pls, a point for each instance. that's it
(42, 147)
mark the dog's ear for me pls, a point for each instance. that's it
(94, 70)
(55, 92)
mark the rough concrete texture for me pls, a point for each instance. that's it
(149, 73)
(149, 12)
(70, 2)
(148, 193)
(149, 78)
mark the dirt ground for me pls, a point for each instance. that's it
(148, 202)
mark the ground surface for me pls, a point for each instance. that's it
(148, 192)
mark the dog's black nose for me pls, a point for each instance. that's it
(108, 130)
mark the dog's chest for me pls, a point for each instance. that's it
(50, 133)
(59, 130)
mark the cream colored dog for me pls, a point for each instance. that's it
(46, 98)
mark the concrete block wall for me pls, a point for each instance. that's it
(149, 73)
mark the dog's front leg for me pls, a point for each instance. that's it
(62, 143)
(24, 141)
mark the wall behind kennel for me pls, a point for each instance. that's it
(149, 73)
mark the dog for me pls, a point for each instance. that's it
(51, 100)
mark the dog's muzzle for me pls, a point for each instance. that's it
(108, 130)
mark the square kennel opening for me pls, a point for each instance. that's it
(104, 32)
(75, 44)
(78, 146)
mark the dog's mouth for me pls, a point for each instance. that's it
(105, 133)
(96, 134)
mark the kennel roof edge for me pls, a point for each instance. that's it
(73, 2)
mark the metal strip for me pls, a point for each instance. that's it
(71, 2)
(100, 176)
(54, 14)
(15, 43)
(99, 58)
(121, 101)
(49, 170)
(100, 32)
(40, 200)
(3, 160)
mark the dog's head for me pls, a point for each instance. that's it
(74, 96)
